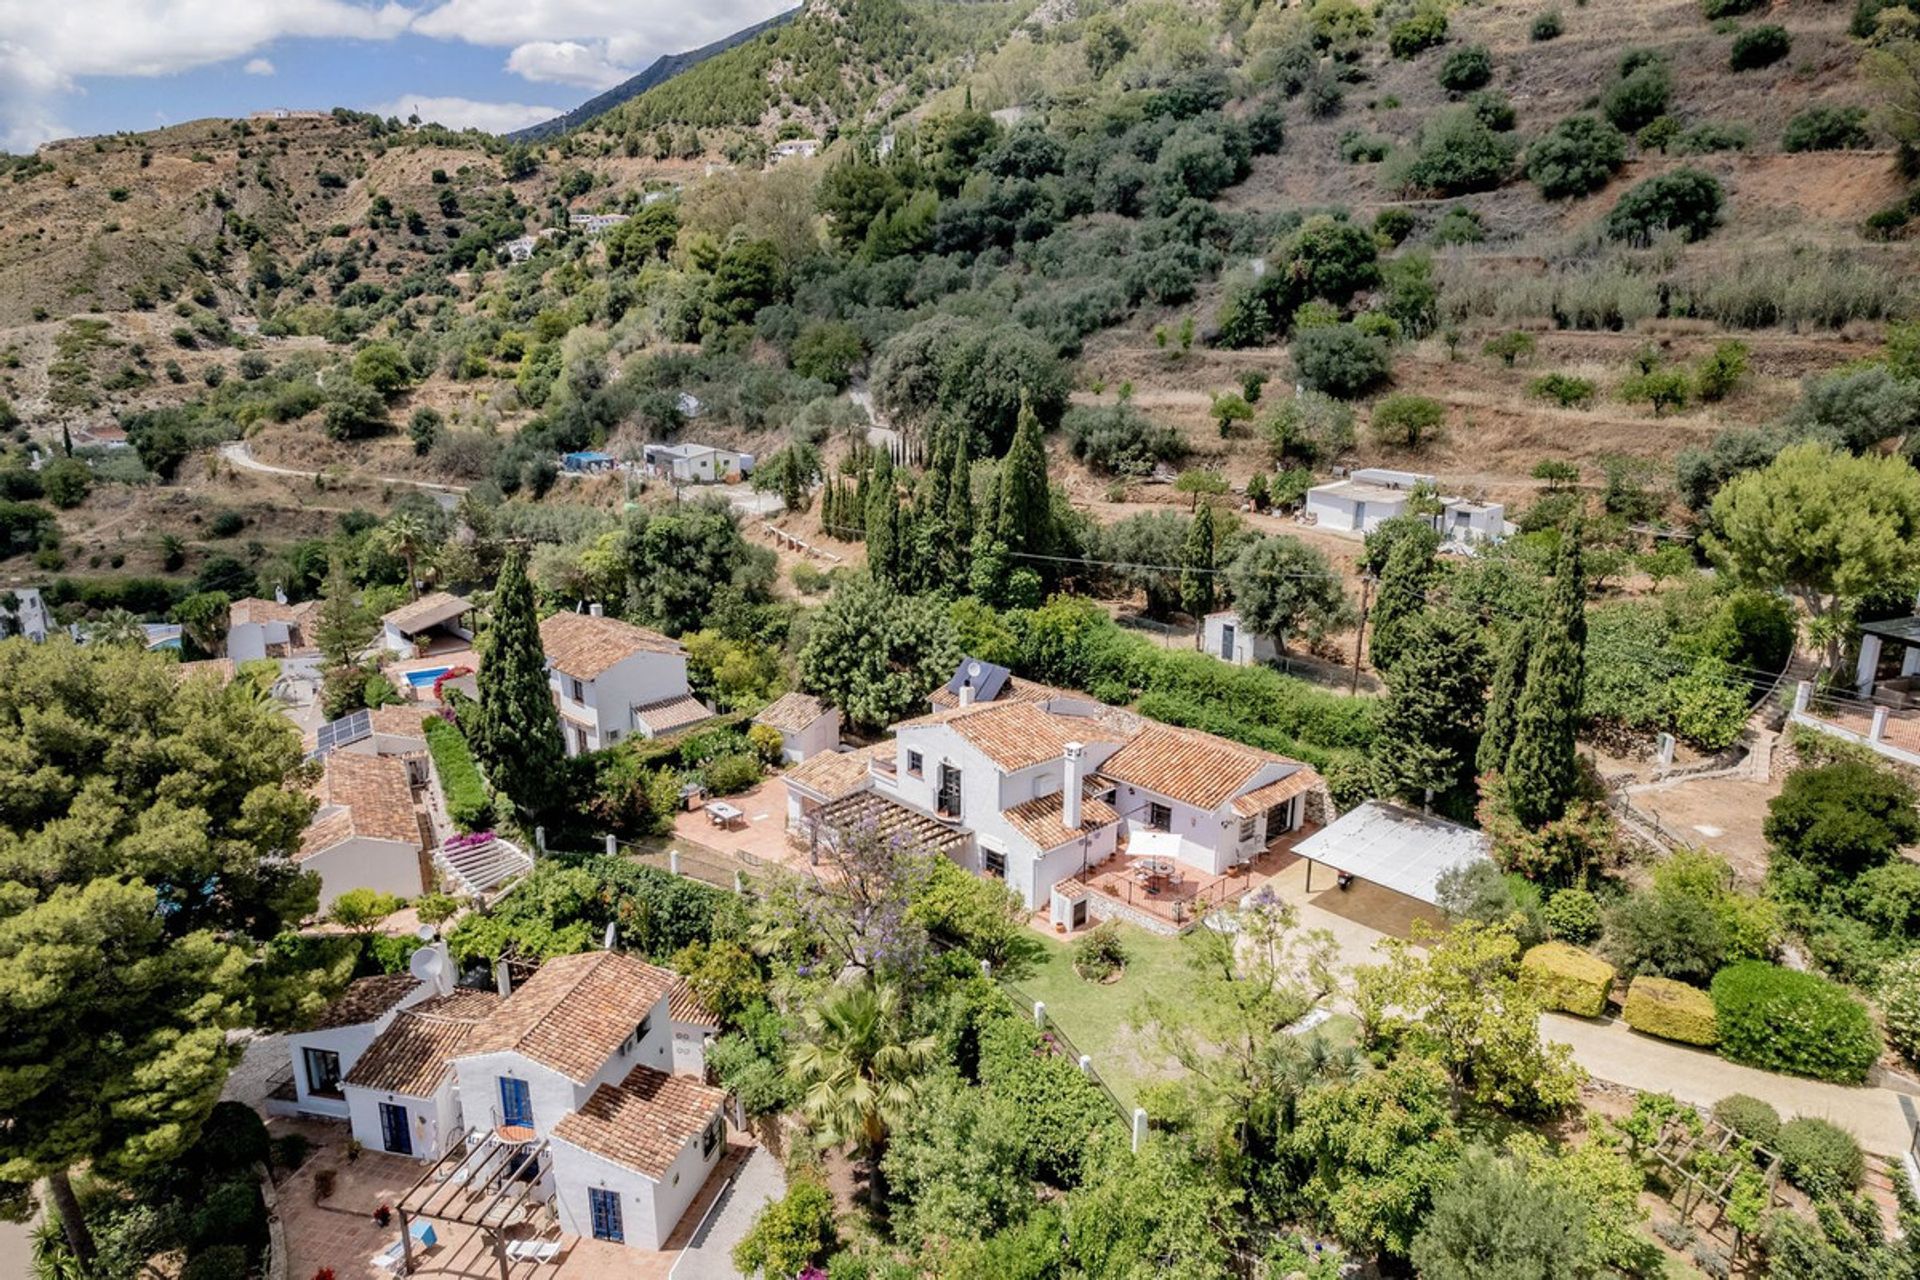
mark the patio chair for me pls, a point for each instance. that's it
(391, 1258)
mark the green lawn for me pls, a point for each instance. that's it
(1099, 1017)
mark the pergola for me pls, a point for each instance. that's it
(1876, 635)
(486, 1180)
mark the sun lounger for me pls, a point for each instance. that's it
(391, 1257)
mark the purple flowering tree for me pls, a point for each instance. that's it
(851, 912)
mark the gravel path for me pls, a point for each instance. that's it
(710, 1256)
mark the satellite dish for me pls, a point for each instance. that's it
(430, 966)
(424, 932)
(973, 669)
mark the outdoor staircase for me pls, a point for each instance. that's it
(484, 869)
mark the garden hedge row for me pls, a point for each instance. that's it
(1801, 1023)
(466, 791)
(1671, 1010)
(1569, 978)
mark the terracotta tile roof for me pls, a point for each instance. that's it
(1017, 689)
(413, 1055)
(249, 609)
(1187, 765)
(583, 646)
(361, 796)
(669, 714)
(428, 611)
(1015, 735)
(1039, 820)
(364, 1000)
(221, 669)
(792, 712)
(402, 720)
(644, 1122)
(574, 1011)
(1260, 799)
(833, 774)
(684, 1006)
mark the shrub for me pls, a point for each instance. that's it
(1718, 9)
(1408, 420)
(1828, 129)
(1393, 225)
(1546, 27)
(66, 482)
(1685, 201)
(1424, 30)
(226, 524)
(221, 1262)
(1569, 978)
(1119, 439)
(232, 1140)
(729, 774)
(1710, 136)
(1819, 1156)
(1457, 153)
(1640, 96)
(1466, 69)
(1564, 389)
(1100, 953)
(1801, 1023)
(1458, 225)
(290, 1151)
(1573, 915)
(230, 1211)
(1847, 817)
(1061, 1106)
(1494, 108)
(1900, 1004)
(1340, 360)
(467, 801)
(1509, 346)
(1671, 1010)
(1363, 148)
(1576, 157)
(1721, 371)
(790, 1233)
(1758, 47)
(1752, 1118)
(1310, 428)
(1664, 389)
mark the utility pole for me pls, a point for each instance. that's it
(1360, 636)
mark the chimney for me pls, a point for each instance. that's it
(1070, 786)
(502, 979)
(966, 692)
(596, 609)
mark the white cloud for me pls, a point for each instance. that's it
(465, 113)
(566, 62)
(258, 67)
(652, 27)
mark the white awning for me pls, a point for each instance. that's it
(1396, 848)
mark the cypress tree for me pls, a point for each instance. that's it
(1025, 513)
(1542, 771)
(1509, 678)
(1431, 720)
(883, 524)
(1196, 565)
(960, 494)
(1403, 583)
(518, 741)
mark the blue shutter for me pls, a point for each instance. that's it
(395, 1132)
(604, 1208)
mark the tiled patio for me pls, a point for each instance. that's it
(761, 835)
(342, 1235)
(1187, 899)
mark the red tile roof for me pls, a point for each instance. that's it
(1015, 735)
(361, 795)
(584, 646)
(1017, 689)
(792, 712)
(364, 1000)
(1187, 765)
(1039, 820)
(669, 714)
(416, 1051)
(644, 1122)
(684, 1006)
(427, 611)
(833, 774)
(1297, 783)
(574, 1012)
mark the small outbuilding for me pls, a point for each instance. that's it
(1229, 639)
(1394, 847)
(807, 726)
(411, 627)
(587, 462)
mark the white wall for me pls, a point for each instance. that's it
(249, 640)
(821, 736)
(1247, 649)
(649, 1210)
(362, 862)
(432, 1122)
(1209, 839)
(1342, 514)
(606, 702)
(552, 1094)
(690, 1049)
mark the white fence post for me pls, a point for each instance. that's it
(739, 883)
(1879, 728)
(1040, 1014)
(613, 845)
(1086, 1065)
(1802, 695)
(673, 861)
(540, 839)
(1139, 1128)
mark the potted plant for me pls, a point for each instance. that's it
(323, 1185)
(382, 1216)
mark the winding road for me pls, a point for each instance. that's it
(237, 453)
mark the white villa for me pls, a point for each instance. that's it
(23, 613)
(611, 679)
(440, 616)
(807, 726)
(272, 629)
(697, 463)
(595, 223)
(1370, 496)
(569, 1085)
(366, 833)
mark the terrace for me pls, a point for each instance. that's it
(1181, 900)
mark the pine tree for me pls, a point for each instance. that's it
(1542, 771)
(1196, 565)
(518, 742)
(343, 628)
(1509, 679)
(1430, 725)
(1403, 584)
(1025, 517)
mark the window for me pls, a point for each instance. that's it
(577, 691)
(994, 862)
(1246, 831)
(916, 764)
(640, 1032)
(947, 803)
(323, 1071)
(711, 1138)
(1159, 817)
(603, 1207)
(516, 1102)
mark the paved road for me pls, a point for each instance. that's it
(710, 1256)
(1881, 1119)
(237, 453)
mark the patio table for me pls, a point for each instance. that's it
(722, 814)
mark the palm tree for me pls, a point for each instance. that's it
(405, 535)
(858, 1072)
(118, 627)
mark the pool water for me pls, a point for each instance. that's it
(425, 679)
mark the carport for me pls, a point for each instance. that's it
(1394, 847)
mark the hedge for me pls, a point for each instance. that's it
(1819, 1155)
(1671, 1010)
(1801, 1023)
(1569, 978)
(1754, 1119)
(466, 792)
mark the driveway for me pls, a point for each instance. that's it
(237, 453)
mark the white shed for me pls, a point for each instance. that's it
(1228, 639)
(1395, 847)
(807, 726)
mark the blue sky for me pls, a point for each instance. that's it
(77, 67)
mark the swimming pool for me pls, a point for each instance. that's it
(424, 679)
